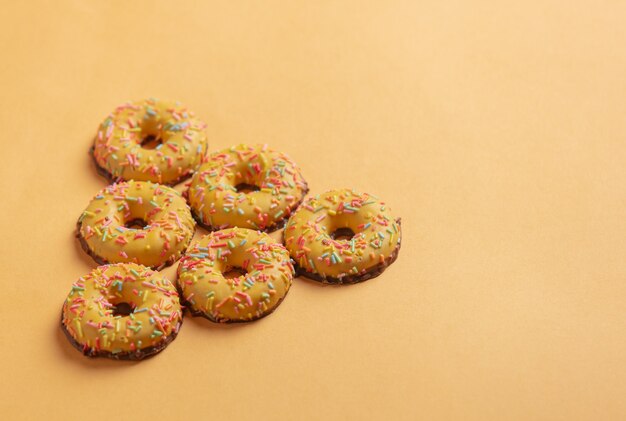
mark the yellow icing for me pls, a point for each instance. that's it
(268, 276)
(216, 202)
(118, 150)
(88, 311)
(309, 241)
(169, 231)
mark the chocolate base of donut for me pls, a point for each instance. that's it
(117, 179)
(352, 279)
(140, 354)
(196, 313)
(102, 261)
(275, 227)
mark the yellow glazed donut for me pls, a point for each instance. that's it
(124, 148)
(246, 186)
(136, 221)
(121, 311)
(264, 272)
(342, 236)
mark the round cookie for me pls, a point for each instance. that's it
(262, 268)
(246, 186)
(150, 140)
(111, 229)
(123, 311)
(343, 237)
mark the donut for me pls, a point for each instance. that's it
(122, 311)
(234, 275)
(342, 237)
(246, 186)
(150, 140)
(136, 221)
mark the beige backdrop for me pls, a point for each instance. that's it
(496, 131)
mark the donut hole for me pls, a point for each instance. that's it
(122, 309)
(246, 188)
(343, 233)
(231, 272)
(137, 223)
(151, 141)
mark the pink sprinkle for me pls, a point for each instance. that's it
(246, 296)
(221, 303)
(177, 219)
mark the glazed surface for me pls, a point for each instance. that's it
(266, 279)
(309, 236)
(89, 312)
(217, 204)
(102, 226)
(118, 149)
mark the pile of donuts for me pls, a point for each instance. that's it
(126, 309)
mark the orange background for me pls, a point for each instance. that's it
(496, 130)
